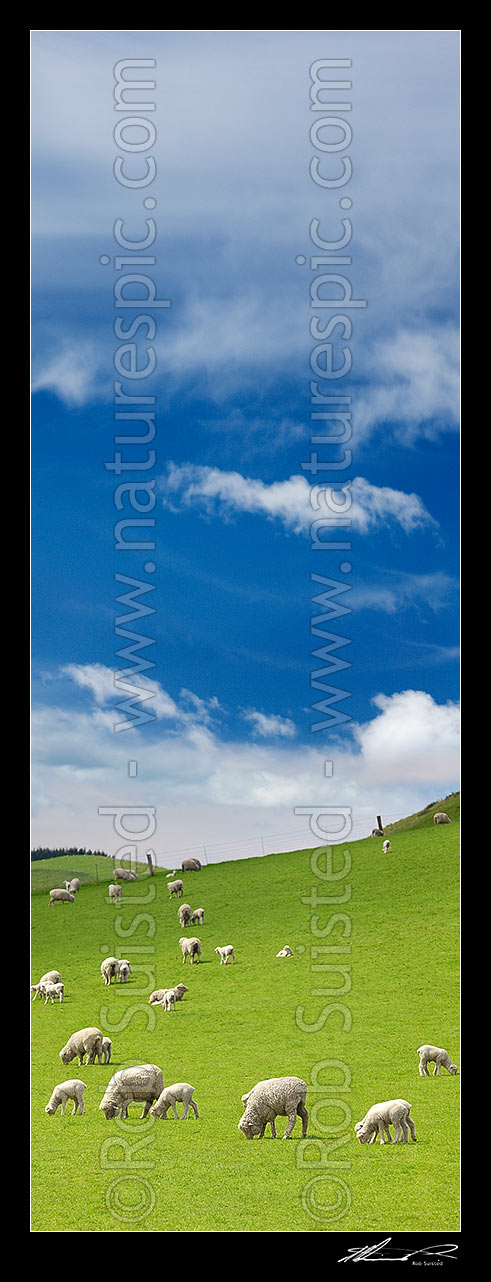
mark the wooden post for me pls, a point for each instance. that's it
(379, 823)
(151, 869)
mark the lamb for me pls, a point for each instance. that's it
(198, 915)
(184, 914)
(110, 969)
(386, 847)
(225, 954)
(114, 892)
(179, 1092)
(394, 1112)
(190, 948)
(275, 1097)
(50, 991)
(156, 998)
(172, 995)
(59, 896)
(87, 1041)
(441, 818)
(73, 1089)
(191, 865)
(438, 1056)
(107, 1047)
(376, 832)
(124, 971)
(123, 874)
(285, 952)
(51, 976)
(38, 990)
(144, 1083)
(176, 888)
(74, 885)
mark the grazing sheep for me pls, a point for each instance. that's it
(190, 948)
(123, 874)
(198, 915)
(176, 888)
(124, 971)
(53, 975)
(74, 885)
(441, 818)
(73, 1089)
(110, 969)
(156, 998)
(275, 1097)
(50, 991)
(178, 1093)
(386, 847)
(107, 1048)
(394, 1112)
(58, 896)
(172, 995)
(285, 952)
(376, 832)
(191, 865)
(114, 892)
(438, 1056)
(184, 914)
(87, 1041)
(225, 954)
(146, 1082)
(38, 990)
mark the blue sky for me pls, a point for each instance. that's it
(230, 751)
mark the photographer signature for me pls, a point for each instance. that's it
(378, 1252)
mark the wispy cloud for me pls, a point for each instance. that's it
(269, 727)
(416, 384)
(393, 592)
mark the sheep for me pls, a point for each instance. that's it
(176, 888)
(376, 832)
(156, 998)
(123, 874)
(190, 948)
(184, 914)
(110, 969)
(438, 1056)
(171, 874)
(386, 847)
(172, 995)
(53, 975)
(275, 1097)
(87, 1041)
(441, 818)
(38, 990)
(198, 915)
(74, 885)
(285, 952)
(107, 1047)
(144, 1083)
(191, 865)
(394, 1112)
(179, 1092)
(114, 892)
(73, 1089)
(124, 971)
(59, 896)
(225, 954)
(50, 991)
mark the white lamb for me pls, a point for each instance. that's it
(124, 971)
(50, 991)
(178, 1093)
(144, 1083)
(285, 952)
(176, 888)
(114, 892)
(225, 954)
(386, 847)
(58, 896)
(275, 1097)
(74, 886)
(438, 1056)
(198, 915)
(190, 948)
(73, 1089)
(107, 1047)
(156, 998)
(394, 1112)
(110, 969)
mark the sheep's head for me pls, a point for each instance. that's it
(249, 1127)
(363, 1132)
(452, 1068)
(50, 1108)
(66, 1056)
(109, 1109)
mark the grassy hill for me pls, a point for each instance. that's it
(47, 873)
(395, 927)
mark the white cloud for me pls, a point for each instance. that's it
(71, 373)
(211, 490)
(416, 387)
(269, 727)
(394, 592)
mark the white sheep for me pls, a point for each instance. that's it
(53, 975)
(124, 970)
(225, 954)
(114, 892)
(285, 952)
(73, 1089)
(144, 1083)
(110, 969)
(176, 888)
(156, 998)
(376, 832)
(386, 847)
(441, 818)
(74, 885)
(190, 948)
(59, 896)
(438, 1056)
(394, 1112)
(171, 996)
(275, 1097)
(107, 1047)
(123, 874)
(50, 991)
(87, 1041)
(178, 1093)
(184, 914)
(198, 915)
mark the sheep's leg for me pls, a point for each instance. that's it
(397, 1132)
(81, 1059)
(292, 1117)
(63, 1105)
(174, 1109)
(146, 1107)
(194, 1107)
(302, 1112)
(381, 1129)
(75, 1107)
(185, 1110)
(437, 1069)
(405, 1132)
(411, 1127)
(421, 1068)
(373, 1137)
(426, 1069)
(263, 1128)
(387, 1134)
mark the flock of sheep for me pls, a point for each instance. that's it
(269, 1099)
